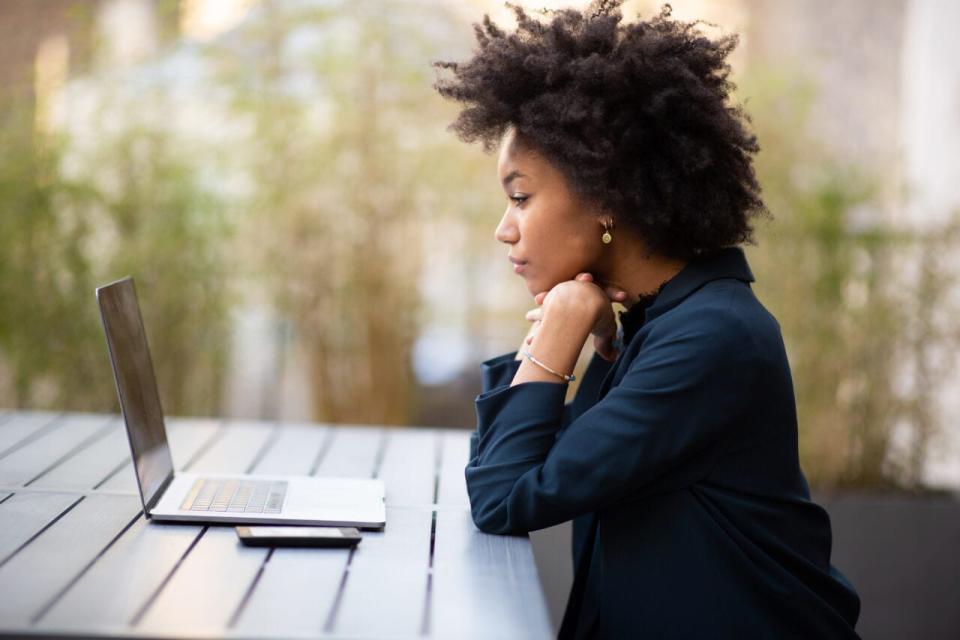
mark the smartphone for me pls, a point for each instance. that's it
(298, 536)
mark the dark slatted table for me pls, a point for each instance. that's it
(77, 557)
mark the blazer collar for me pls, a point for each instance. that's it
(730, 262)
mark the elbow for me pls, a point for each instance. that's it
(493, 518)
(483, 519)
(489, 505)
(486, 522)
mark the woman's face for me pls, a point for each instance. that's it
(546, 225)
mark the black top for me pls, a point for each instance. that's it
(678, 464)
(632, 319)
(587, 589)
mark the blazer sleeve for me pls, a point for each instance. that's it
(681, 391)
(497, 373)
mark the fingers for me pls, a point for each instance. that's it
(582, 277)
(617, 295)
(614, 293)
(532, 331)
(606, 349)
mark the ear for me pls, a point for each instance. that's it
(604, 219)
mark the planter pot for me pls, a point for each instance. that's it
(902, 553)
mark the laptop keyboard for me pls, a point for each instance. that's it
(236, 496)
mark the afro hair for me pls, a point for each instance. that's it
(636, 116)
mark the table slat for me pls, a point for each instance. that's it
(33, 577)
(295, 593)
(386, 583)
(475, 574)
(29, 460)
(453, 484)
(295, 450)
(242, 441)
(139, 561)
(17, 428)
(87, 467)
(353, 452)
(189, 436)
(24, 514)
(409, 466)
(207, 587)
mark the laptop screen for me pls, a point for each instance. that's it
(136, 387)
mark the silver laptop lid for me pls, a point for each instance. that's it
(136, 389)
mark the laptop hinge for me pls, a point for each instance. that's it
(157, 495)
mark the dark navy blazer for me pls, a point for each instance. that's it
(678, 464)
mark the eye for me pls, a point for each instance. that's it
(518, 198)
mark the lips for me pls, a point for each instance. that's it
(515, 261)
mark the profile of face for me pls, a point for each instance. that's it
(548, 227)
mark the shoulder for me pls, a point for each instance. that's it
(722, 319)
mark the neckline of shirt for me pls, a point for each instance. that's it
(632, 319)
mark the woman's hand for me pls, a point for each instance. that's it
(581, 293)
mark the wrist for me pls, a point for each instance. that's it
(557, 345)
(565, 377)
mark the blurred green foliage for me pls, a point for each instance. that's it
(46, 285)
(134, 208)
(862, 298)
(351, 166)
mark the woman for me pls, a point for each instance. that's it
(630, 179)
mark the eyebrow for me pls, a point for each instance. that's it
(510, 177)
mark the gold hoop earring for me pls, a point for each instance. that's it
(606, 237)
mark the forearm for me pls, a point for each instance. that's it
(558, 343)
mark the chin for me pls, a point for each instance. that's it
(534, 288)
(537, 285)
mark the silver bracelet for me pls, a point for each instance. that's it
(569, 378)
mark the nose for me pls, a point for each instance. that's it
(507, 229)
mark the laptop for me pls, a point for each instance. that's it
(213, 498)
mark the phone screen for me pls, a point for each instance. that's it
(289, 536)
(295, 532)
